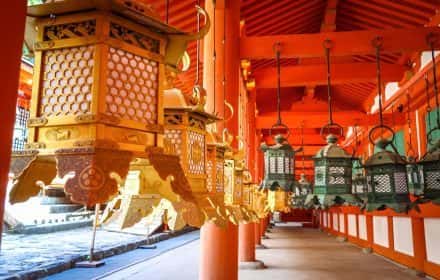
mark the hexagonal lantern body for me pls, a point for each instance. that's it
(386, 180)
(215, 167)
(186, 136)
(279, 170)
(233, 181)
(430, 174)
(333, 169)
(97, 102)
(279, 165)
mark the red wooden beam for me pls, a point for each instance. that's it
(319, 119)
(317, 74)
(344, 43)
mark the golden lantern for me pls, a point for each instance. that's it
(100, 70)
(186, 136)
(234, 181)
(248, 196)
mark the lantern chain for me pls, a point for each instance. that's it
(167, 8)
(428, 108)
(214, 58)
(277, 53)
(378, 45)
(198, 48)
(302, 146)
(434, 72)
(411, 149)
(329, 95)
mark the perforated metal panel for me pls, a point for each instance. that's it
(132, 86)
(287, 168)
(400, 183)
(382, 183)
(280, 165)
(220, 176)
(210, 176)
(320, 175)
(196, 156)
(433, 180)
(272, 165)
(68, 79)
(20, 129)
(174, 141)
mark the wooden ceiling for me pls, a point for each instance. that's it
(287, 17)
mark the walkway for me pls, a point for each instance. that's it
(293, 253)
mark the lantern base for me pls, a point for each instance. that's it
(367, 250)
(396, 206)
(324, 201)
(252, 265)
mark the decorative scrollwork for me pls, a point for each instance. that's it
(94, 181)
(70, 30)
(134, 38)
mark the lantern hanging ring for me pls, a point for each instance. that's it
(279, 123)
(328, 44)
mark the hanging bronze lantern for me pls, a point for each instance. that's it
(333, 165)
(385, 170)
(186, 136)
(302, 189)
(279, 159)
(91, 116)
(430, 163)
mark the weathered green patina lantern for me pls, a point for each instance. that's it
(279, 159)
(333, 169)
(385, 170)
(333, 165)
(279, 165)
(429, 165)
(387, 180)
(430, 174)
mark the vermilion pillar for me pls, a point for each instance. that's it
(232, 61)
(219, 252)
(214, 60)
(219, 246)
(246, 248)
(12, 20)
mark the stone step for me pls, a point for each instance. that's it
(48, 228)
(64, 208)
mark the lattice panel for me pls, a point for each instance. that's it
(196, 142)
(287, 165)
(320, 175)
(280, 165)
(132, 85)
(433, 180)
(336, 170)
(382, 183)
(336, 180)
(400, 183)
(219, 176)
(67, 84)
(174, 137)
(272, 165)
(20, 129)
(210, 175)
